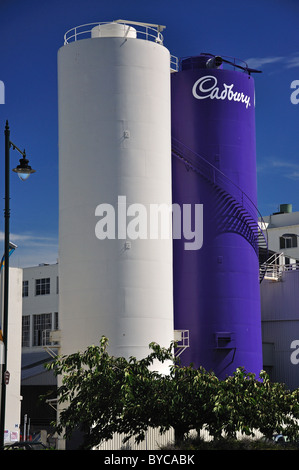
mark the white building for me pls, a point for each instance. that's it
(280, 298)
(283, 233)
(39, 322)
(13, 395)
(40, 306)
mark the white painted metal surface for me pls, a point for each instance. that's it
(114, 140)
(115, 30)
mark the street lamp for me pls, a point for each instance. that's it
(23, 170)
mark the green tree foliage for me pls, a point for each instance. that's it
(92, 391)
(107, 394)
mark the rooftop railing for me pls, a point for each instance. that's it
(143, 31)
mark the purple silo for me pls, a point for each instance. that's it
(216, 288)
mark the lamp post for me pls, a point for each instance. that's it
(23, 170)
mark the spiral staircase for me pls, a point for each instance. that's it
(234, 210)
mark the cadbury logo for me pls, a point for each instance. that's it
(206, 87)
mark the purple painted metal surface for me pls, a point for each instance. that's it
(216, 288)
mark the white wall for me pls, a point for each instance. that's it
(279, 225)
(13, 389)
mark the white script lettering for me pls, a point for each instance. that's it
(163, 221)
(206, 87)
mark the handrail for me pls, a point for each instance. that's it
(257, 237)
(174, 63)
(149, 33)
(272, 260)
(182, 342)
(289, 267)
(274, 269)
(218, 177)
(271, 268)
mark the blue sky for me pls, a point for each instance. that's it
(262, 32)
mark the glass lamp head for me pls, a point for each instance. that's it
(23, 169)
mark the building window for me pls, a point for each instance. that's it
(25, 289)
(42, 286)
(26, 331)
(42, 325)
(288, 240)
(56, 324)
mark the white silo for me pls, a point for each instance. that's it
(114, 149)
